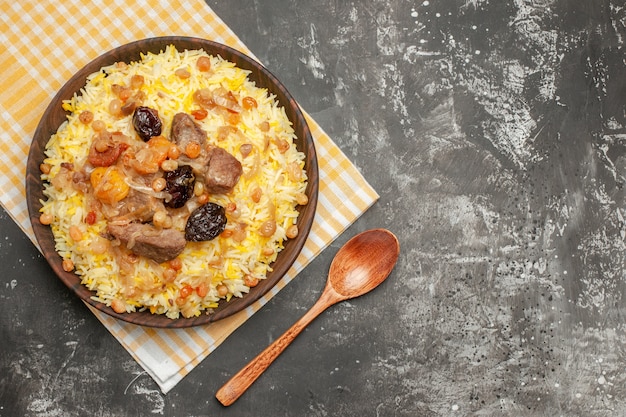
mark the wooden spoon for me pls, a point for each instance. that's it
(359, 266)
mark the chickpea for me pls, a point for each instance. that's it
(292, 231)
(118, 306)
(173, 152)
(198, 189)
(169, 165)
(158, 184)
(169, 275)
(115, 107)
(46, 218)
(68, 265)
(101, 144)
(162, 219)
(76, 234)
(99, 245)
(98, 125)
(222, 290)
(302, 199)
(168, 222)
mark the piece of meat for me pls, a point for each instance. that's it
(143, 239)
(219, 169)
(185, 131)
(223, 171)
(138, 206)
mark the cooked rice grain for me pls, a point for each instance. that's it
(222, 261)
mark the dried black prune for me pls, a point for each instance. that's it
(146, 122)
(205, 223)
(179, 184)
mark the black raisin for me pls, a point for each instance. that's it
(205, 223)
(179, 184)
(146, 122)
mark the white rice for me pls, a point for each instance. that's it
(221, 261)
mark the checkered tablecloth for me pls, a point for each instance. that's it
(43, 44)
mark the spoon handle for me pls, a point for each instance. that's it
(243, 379)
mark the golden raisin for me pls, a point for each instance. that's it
(45, 168)
(202, 290)
(85, 117)
(255, 194)
(249, 103)
(68, 265)
(203, 64)
(192, 149)
(182, 73)
(250, 281)
(136, 81)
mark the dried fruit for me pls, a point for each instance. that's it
(109, 185)
(146, 122)
(205, 223)
(179, 184)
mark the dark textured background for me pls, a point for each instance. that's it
(495, 133)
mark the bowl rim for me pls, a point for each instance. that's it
(53, 116)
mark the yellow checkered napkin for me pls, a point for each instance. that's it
(43, 44)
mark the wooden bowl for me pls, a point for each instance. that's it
(55, 115)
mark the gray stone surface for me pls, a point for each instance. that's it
(495, 133)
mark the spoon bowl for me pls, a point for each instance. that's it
(363, 263)
(359, 266)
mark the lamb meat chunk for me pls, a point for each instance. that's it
(223, 171)
(219, 169)
(138, 206)
(184, 131)
(160, 245)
